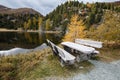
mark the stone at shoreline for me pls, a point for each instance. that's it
(41, 47)
(15, 51)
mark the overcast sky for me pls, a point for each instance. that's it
(42, 6)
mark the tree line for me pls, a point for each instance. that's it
(58, 19)
(14, 21)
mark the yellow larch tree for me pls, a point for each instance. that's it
(40, 23)
(48, 23)
(76, 29)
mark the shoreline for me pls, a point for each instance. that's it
(35, 31)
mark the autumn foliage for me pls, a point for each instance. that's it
(109, 30)
(76, 29)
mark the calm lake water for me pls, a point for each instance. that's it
(27, 40)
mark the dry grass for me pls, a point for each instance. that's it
(36, 65)
(14, 67)
(41, 64)
(110, 52)
(51, 67)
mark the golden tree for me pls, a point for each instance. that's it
(34, 21)
(39, 23)
(25, 25)
(48, 23)
(76, 29)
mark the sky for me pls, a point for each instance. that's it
(42, 6)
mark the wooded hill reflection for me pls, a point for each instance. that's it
(10, 40)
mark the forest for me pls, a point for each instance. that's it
(58, 19)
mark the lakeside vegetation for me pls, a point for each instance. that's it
(35, 65)
(107, 31)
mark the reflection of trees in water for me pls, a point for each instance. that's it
(28, 37)
(32, 37)
(26, 40)
(47, 36)
(7, 38)
(41, 37)
(56, 38)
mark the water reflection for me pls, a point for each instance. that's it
(10, 40)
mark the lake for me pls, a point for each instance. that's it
(27, 40)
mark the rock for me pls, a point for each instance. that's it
(15, 51)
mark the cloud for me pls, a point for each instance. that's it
(97, 1)
(43, 6)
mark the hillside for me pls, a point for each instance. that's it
(58, 19)
(90, 13)
(3, 8)
(15, 18)
(109, 29)
(6, 10)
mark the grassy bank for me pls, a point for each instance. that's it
(40, 64)
(36, 65)
(109, 54)
(16, 67)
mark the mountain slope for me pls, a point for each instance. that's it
(6, 10)
(15, 18)
(3, 8)
(90, 13)
(109, 29)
